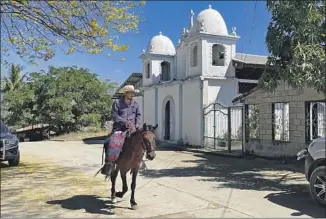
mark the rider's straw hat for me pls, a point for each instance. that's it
(128, 88)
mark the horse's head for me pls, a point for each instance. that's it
(149, 139)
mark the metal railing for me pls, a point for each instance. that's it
(223, 126)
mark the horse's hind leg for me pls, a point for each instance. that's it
(124, 185)
(133, 203)
(114, 175)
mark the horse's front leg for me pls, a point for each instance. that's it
(124, 185)
(133, 203)
(114, 175)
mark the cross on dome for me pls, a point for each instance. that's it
(160, 33)
(192, 18)
(209, 6)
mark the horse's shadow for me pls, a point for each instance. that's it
(91, 203)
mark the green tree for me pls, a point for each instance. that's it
(70, 98)
(13, 80)
(17, 106)
(296, 42)
(33, 29)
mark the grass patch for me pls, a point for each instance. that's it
(79, 136)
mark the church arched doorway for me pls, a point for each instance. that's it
(167, 133)
(168, 119)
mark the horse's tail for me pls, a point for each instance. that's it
(98, 171)
(106, 170)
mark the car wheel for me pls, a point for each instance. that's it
(15, 162)
(318, 185)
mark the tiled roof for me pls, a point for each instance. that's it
(241, 96)
(250, 59)
(134, 79)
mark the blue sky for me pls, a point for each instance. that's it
(170, 17)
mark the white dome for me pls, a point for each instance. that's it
(211, 21)
(162, 45)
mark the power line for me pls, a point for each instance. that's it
(252, 26)
(245, 20)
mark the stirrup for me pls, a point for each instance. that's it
(105, 170)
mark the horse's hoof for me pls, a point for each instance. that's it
(134, 207)
(114, 200)
(119, 194)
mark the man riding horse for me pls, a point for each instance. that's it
(126, 117)
(135, 143)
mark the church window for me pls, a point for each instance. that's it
(194, 55)
(165, 69)
(148, 70)
(218, 58)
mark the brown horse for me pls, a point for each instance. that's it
(140, 142)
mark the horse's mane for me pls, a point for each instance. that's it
(138, 131)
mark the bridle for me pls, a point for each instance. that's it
(144, 135)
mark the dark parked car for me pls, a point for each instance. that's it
(9, 146)
(315, 168)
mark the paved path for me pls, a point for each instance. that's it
(55, 179)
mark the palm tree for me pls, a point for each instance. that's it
(14, 80)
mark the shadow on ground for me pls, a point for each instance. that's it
(4, 165)
(91, 203)
(95, 140)
(303, 206)
(238, 173)
(287, 181)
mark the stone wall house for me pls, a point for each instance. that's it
(282, 123)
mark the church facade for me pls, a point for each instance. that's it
(204, 68)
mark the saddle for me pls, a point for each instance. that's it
(114, 146)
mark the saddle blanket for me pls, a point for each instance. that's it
(114, 145)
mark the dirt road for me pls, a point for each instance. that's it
(55, 179)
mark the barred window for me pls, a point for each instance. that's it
(252, 121)
(315, 120)
(280, 112)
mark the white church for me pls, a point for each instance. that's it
(179, 81)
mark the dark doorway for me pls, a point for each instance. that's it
(167, 121)
(165, 75)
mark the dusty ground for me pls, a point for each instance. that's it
(55, 179)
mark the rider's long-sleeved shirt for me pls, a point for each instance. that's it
(121, 112)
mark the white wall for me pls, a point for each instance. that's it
(222, 91)
(149, 107)
(156, 70)
(139, 100)
(191, 113)
(204, 61)
(181, 61)
(165, 93)
(195, 70)
(219, 71)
